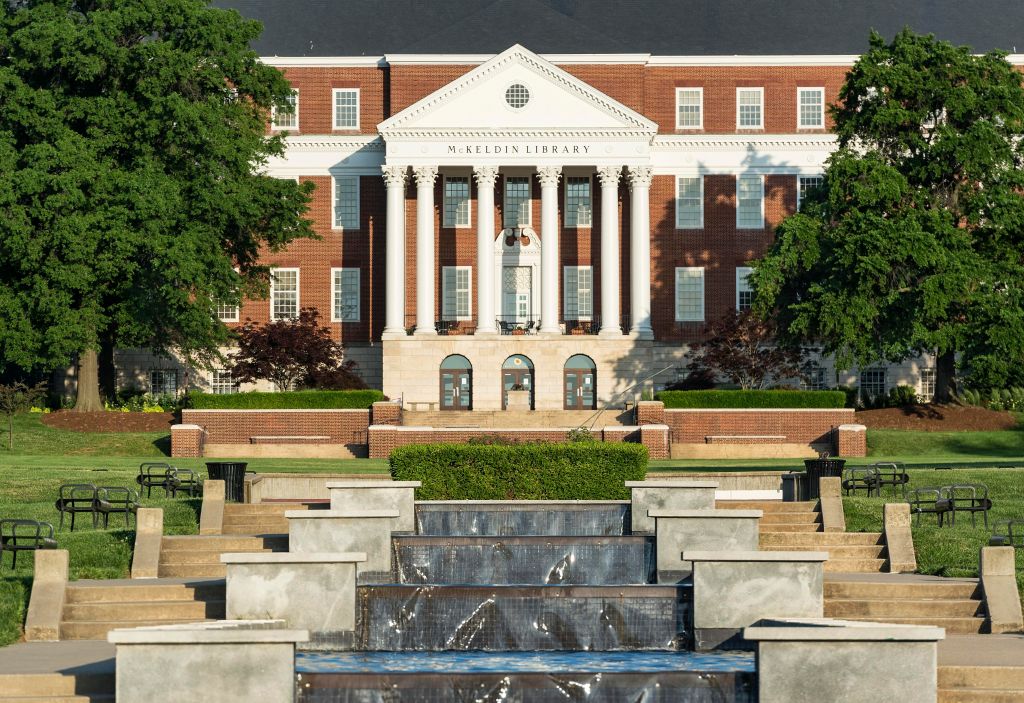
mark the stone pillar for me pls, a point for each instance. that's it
(394, 261)
(425, 177)
(640, 252)
(548, 177)
(609, 176)
(486, 320)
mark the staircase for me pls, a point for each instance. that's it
(974, 684)
(57, 688)
(796, 527)
(258, 518)
(198, 556)
(94, 608)
(955, 604)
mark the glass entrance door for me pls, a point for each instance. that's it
(580, 386)
(456, 383)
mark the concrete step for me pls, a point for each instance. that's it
(261, 528)
(903, 607)
(855, 566)
(1004, 678)
(834, 551)
(837, 539)
(953, 590)
(791, 527)
(144, 592)
(980, 695)
(55, 686)
(92, 698)
(224, 543)
(147, 611)
(954, 626)
(201, 556)
(93, 630)
(233, 510)
(192, 571)
(768, 506)
(775, 518)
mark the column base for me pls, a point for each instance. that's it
(610, 332)
(393, 333)
(642, 333)
(550, 331)
(424, 332)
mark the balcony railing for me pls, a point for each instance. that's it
(589, 326)
(455, 327)
(513, 325)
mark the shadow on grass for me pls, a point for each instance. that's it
(163, 444)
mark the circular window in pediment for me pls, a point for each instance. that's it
(517, 96)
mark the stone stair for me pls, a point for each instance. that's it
(57, 688)
(94, 608)
(955, 604)
(974, 684)
(258, 518)
(198, 556)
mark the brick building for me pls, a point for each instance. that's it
(552, 193)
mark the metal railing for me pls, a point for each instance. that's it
(455, 327)
(514, 325)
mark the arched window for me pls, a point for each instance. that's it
(579, 383)
(456, 383)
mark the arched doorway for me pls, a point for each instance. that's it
(516, 374)
(456, 383)
(580, 383)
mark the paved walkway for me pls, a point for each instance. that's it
(69, 657)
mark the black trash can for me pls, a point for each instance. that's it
(819, 468)
(794, 486)
(232, 473)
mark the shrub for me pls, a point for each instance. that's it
(752, 399)
(290, 400)
(696, 380)
(541, 471)
(852, 396)
(901, 396)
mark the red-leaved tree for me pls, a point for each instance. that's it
(293, 354)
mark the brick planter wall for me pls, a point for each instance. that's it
(782, 426)
(650, 412)
(240, 426)
(386, 413)
(187, 441)
(852, 440)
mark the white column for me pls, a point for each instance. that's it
(486, 321)
(640, 251)
(609, 176)
(425, 177)
(548, 177)
(394, 276)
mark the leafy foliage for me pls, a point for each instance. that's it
(132, 198)
(914, 243)
(752, 399)
(18, 398)
(291, 400)
(534, 471)
(292, 354)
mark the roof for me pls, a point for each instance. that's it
(659, 27)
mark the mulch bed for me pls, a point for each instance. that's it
(104, 421)
(937, 418)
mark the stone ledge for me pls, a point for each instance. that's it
(327, 514)
(221, 632)
(832, 630)
(293, 558)
(671, 483)
(712, 513)
(374, 484)
(853, 428)
(755, 556)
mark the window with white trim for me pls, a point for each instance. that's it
(578, 291)
(457, 282)
(690, 202)
(804, 184)
(163, 382)
(816, 379)
(926, 386)
(221, 382)
(689, 108)
(346, 108)
(284, 294)
(286, 116)
(346, 202)
(578, 211)
(456, 201)
(517, 201)
(750, 108)
(744, 291)
(690, 294)
(227, 312)
(344, 295)
(810, 105)
(872, 383)
(750, 202)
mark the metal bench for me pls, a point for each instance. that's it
(114, 500)
(862, 478)
(968, 498)
(184, 480)
(24, 535)
(929, 500)
(1008, 532)
(892, 473)
(153, 474)
(74, 498)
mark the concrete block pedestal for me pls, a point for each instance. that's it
(695, 530)
(352, 496)
(333, 531)
(667, 495)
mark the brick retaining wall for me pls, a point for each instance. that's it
(239, 426)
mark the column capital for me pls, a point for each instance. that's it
(425, 175)
(485, 176)
(609, 176)
(549, 175)
(394, 175)
(640, 176)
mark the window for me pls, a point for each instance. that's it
(817, 379)
(578, 302)
(346, 108)
(744, 293)
(346, 202)
(750, 202)
(804, 184)
(163, 382)
(284, 294)
(690, 202)
(457, 294)
(872, 383)
(690, 294)
(926, 388)
(517, 201)
(577, 201)
(221, 382)
(345, 295)
(749, 108)
(227, 312)
(286, 117)
(810, 105)
(689, 108)
(456, 201)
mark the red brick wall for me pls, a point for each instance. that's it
(386, 413)
(237, 426)
(650, 412)
(187, 441)
(851, 441)
(797, 426)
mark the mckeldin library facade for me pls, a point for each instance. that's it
(565, 223)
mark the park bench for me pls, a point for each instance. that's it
(153, 474)
(74, 498)
(24, 535)
(1008, 532)
(184, 480)
(929, 500)
(861, 478)
(892, 473)
(744, 439)
(968, 498)
(114, 500)
(290, 439)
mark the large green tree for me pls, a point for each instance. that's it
(132, 141)
(914, 243)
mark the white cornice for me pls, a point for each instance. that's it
(324, 61)
(319, 142)
(455, 133)
(769, 60)
(740, 141)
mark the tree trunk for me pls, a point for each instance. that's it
(88, 382)
(945, 376)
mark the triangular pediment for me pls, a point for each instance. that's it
(477, 104)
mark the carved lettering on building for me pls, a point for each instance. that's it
(514, 149)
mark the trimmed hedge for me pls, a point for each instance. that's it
(292, 400)
(541, 471)
(752, 399)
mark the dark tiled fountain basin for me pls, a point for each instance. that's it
(527, 517)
